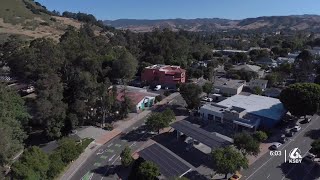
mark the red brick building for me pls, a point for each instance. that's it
(164, 75)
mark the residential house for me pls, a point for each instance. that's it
(250, 68)
(290, 58)
(165, 75)
(267, 62)
(140, 99)
(261, 83)
(228, 87)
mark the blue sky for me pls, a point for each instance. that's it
(164, 9)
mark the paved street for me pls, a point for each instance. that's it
(102, 163)
(275, 168)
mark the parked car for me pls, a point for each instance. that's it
(296, 128)
(307, 119)
(207, 99)
(236, 176)
(290, 133)
(157, 88)
(275, 146)
(283, 139)
(309, 157)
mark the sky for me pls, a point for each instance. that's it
(187, 9)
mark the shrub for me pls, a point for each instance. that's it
(167, 93)
(260, 136)
(158, 98)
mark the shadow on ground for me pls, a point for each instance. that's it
(305, 170)
(313, 134)
(141, 134)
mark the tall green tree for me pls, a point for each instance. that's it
(125, 67)
(161, 120)
(304, 66)
(126, 158)
(50, 109)
(207, 88)
(191, 94)
(228, 160)
(13, 116)
(301, 99)
(247, 144)
(148, 171)
(32, 165)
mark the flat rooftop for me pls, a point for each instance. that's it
(229, 83)
(212, 140)
(261, 106)
(170, 165)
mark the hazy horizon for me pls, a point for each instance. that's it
(186, 9)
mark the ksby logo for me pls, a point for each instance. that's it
(295, 156)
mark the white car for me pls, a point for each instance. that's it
(275, 146)
(310, 157)
(296, 128)
(157, 88)
(207, 99)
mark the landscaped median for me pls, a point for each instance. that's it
(36, 164)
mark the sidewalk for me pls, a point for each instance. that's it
(75, 165)
(120, 127)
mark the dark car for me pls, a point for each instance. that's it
(283, 140)
(290, 133)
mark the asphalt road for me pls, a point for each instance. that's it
(101, 165)
(275, 168)
(107, 157)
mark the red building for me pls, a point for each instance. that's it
(164, 75)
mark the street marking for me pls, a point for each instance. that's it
(268, 176)
(103, 157)
(97, 164)
(132, 144)
(117, 145)
(100, 151)
(110, 150)
(87, 176)
(110, 159)
(280, 150)
(110, 145)
(115, 160)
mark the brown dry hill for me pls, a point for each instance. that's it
(29, 20)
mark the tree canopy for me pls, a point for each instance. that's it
(13, 116)
(207, 88)
(191, 94)
(126, 158)
(301, 99)
(161, 120)
(148, 171)
(246, 143)
(228, 160)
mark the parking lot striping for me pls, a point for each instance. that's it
(280, 150)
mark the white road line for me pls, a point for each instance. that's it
(133, 144)
(115, 160)
(110, 159)
(280, 150)
(110, 145)
(268, 176)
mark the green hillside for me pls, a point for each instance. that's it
(16, 11)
